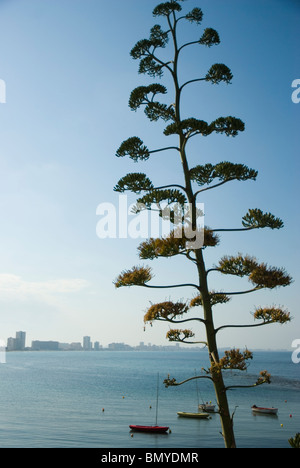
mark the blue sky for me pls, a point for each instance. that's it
(68, 78)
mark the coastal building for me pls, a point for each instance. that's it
(87, 345)
(20, 340)
(11, 344)
(17, 343)
(45, 346)
(119, 347)
(75, 347)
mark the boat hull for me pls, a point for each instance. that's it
(260, 410)
(150, 429)
(182, 414)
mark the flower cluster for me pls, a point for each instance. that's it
(137, 276)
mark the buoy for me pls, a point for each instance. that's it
(150, 407)
(291, 415)
(123, 398)
(131, 436)
(281, 425)
(170, 432)
(103, 410)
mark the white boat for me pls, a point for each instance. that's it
(207, 408)
(261, 410)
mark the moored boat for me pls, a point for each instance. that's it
(207, 408)
(183, 414)
(262, 410)
(203, 410)
(150, 429)
(156, 429)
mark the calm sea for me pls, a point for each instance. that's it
(50, 399)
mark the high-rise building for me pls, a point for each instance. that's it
(97, 346)
(11, 344)
(20, 341)
(87, 345)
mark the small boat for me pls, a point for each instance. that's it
(207, 408)
(261, 410)
(203, 410)
(193, 415)
(150, 429)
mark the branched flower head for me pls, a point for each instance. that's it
(163, 247)
(272, 315)
(137, 276)
(214, 299)
(141, 49)
(202, 174)
(189, 127)
(269, 277)
(238, 266)
(158, 37)
(261, 275)
(164, 9)
(165, 195)
(257, 219)
(195, 16)
(139, 95)
(229, 171)
(180, 336)
(210, 37)
(135, 182)
(218, 73)
(234, 359)
(231, 126)
(265, 377)
(165, 311)
(134, 148)
(223, 171)
(170, 382)
(154, 110)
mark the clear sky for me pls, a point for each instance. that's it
(68, 78)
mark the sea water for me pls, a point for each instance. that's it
(89, 399)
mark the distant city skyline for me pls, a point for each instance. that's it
(19, 344)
